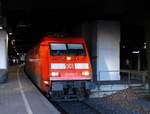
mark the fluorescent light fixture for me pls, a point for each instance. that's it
(23, 25)
(1, 27)
(10, 33)
(135, 52)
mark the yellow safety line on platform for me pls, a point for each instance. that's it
(25, 100)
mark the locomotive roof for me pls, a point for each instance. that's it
(61, 39)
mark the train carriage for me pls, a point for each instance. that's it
(60, 65)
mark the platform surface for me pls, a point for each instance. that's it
(20, 96)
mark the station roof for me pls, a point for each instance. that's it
(30, 19)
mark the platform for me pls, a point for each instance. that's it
(20, 96)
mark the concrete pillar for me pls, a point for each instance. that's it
(147, 35)
(3, 49)
(104, 45)
(4, 56)
(139, 62)
(108, 51)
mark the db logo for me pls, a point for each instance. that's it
(69, 66)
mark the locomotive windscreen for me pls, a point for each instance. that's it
(70, 49)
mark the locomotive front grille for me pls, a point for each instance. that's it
(61, 85)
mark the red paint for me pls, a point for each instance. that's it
(41, 60)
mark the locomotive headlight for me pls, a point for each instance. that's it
(68, 58)
(85, 73)
(55, 74)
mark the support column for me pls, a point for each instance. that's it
(139, 62)
(3, 48)
(108, 51)
(147, 35)
(104, 45)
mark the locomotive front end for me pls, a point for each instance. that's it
(69, 69)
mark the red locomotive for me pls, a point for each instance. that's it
(60, 66)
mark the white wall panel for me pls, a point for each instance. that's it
(108, 50)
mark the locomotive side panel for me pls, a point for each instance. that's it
(33, 66)
(37, 67)
(44, 67)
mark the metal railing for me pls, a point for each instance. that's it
(126, 76)
(134, 76)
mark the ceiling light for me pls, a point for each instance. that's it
(1, 27)
(135, 52)
(145, 47)
(10, 33)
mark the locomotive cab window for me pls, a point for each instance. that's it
(58, 49)
(76, 49)
(67, 49)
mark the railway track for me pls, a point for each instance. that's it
(75, 107)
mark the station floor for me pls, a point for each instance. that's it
(20, 96)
